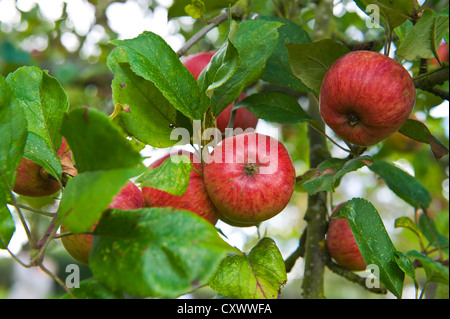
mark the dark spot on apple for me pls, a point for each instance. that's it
(353, 119)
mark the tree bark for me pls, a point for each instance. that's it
(316, 215)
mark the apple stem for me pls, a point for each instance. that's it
(328, 137)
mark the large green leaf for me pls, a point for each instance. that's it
(13, 134)
(278, 70)
(403, 184)
(96, 142)
(152, 58)
(310, 61)
(425, 37)
(373, 242)
(255, 41)
(88, 194)
(141, 110)
(44, 102)
(275, 106)
(158, 252)
(258, 275)
(391, 13)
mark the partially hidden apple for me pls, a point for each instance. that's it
(443, 54)
(195, 199)
(365, 97)
(250, 178)
(244, 119)
(33, 180)
(79, 246)
(342, 245)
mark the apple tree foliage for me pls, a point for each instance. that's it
(278, 51)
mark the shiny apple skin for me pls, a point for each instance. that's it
(365, 97)
(242, 193)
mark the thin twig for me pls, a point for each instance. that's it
(200, 34)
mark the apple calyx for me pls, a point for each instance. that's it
(353, 119)
(250, 169)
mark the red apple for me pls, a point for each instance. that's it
(79, 246)
(443, 54)
(33, 180)
(195, 199)
(244, 119)
(250, 178)
(342, 245)
(365, 97)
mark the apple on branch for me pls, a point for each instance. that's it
(342, 245)
(250, 178)
(33, 180)
(244, 119)
(195, 199)
(79, 246)
(366, 97)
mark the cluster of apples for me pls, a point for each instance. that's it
(249, 178)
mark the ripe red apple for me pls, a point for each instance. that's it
(443, 54)
(250, 178)
(244, 119)
(365, 97)
(79, 246)
(195, 199)
(342, 245)
(33, 180)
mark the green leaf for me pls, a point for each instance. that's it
(141, 109)
(418, 131)
(373, 241)
(195, 9)
(159, 252)
(88, 194)
(91, 289)
(406, 222)
(434, 270)
(255, 41)
(171, 176)
(152, 58)
(329, 173)
(258, 275)
(222, 66)
(278, 70)
(406, 266)
(275, 107)
(425, 37)
(13, 133)
(391, 13)
(401, 183)
(212, 7)
(7, 226)
(431, 233)
(310, 61)
(96, 142)
(43, 102)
